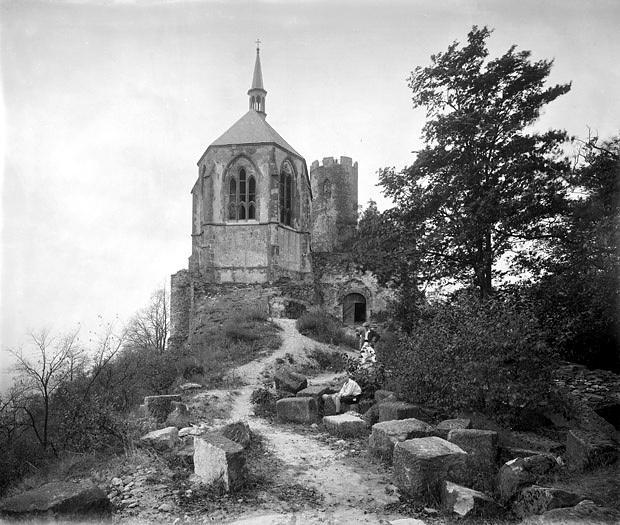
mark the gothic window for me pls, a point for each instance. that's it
(287, 191)
(241, 197)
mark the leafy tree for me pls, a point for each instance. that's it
(485, 181)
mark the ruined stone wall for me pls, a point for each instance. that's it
(180, 306)
(334, 204)
(336, 275)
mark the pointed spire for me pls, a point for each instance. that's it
(257, 92)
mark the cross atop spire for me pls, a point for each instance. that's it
(257, 91)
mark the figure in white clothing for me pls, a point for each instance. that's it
(349, 393)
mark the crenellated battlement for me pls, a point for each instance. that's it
(327, 162)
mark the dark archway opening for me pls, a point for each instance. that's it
(354, 309)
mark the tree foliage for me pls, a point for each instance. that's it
(485, 180)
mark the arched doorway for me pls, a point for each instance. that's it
(353, 309)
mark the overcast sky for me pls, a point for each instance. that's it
(107, 106)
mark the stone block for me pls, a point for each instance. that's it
(391, 410)
(218, 459)
(531, 441)
(315, 391)
(239, 432)
(383, 395)
(345, 425)
(584, 513)
(519, 472)
(386, 434)
(187, 387)
(537, 500)
(61, 497)
(297, 409)
(422, 465)
(443, 428)
(289, 381)
(468, 502)
(160, 406)
(480, 465)
(162, 439)
(371, 416)
(179, 417)
(508, 453)
(585, 450)
(329, 406)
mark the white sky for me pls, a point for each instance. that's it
(107, 106)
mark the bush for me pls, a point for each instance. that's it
(324, 328)
(490, 357)
(264, 402)
(332, 361)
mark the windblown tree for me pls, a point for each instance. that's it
(149, 327)
(485, 181)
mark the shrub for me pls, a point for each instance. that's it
(321, 326)
(465, 354)
(332, 361)
(264, 402)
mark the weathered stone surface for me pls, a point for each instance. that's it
(536, 500)
(530, 441)
(179, 417)
(160, 406)
(162, 439)
(422, 465)
(586, 450)
(386, 434)
(480, 465)
(187, 387)
(584, 513)
(383, 395)
(218, 459)
(443, 428)
(371, 416)
(391, 410)
(508, 453)
(191, 431)
(407, 521)
(315, 391)
(297, 409)
(329, 406)
(345, 425)
(289, 381)
(468, 502)
(60, 497)
(522, 471)
(239, 432)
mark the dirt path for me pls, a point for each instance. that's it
(352, 493)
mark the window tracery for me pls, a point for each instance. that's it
(241, 196)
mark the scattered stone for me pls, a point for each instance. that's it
(165, 438)
(345, 425)
(407, 521)
(536, 500)
(386, 434)
(530, 441)
(191, 431)
(160, 406)
(422, 465)
(443, 428)
(60, 497)
(289, 381)
(468, 502)
(218, 459)
(584, 513)
(383, 395)
(585, 450)
(117, 481)
(186, 387)
(522, 471)
(315, 391)
(165, 507)
(508, 453)
(371, 416)
(481, 462)
(297, 409)
(391, 410)
(239, 432)
(179, 417)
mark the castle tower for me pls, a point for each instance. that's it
(251, 203)
(334, 204)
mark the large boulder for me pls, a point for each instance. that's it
(289, 381)
(468, 502)
(239, 432)
(297, 409)
(442, 429)
(585, 450)
(160, 406)
(217, 459)
(422, 465)
(390, 410)
(536, 500)
(162, 439)
(387, 433)
(345, 425)
(480, 465)
(519, 472)
(315, 391)
(584, 513)
(60, 497)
